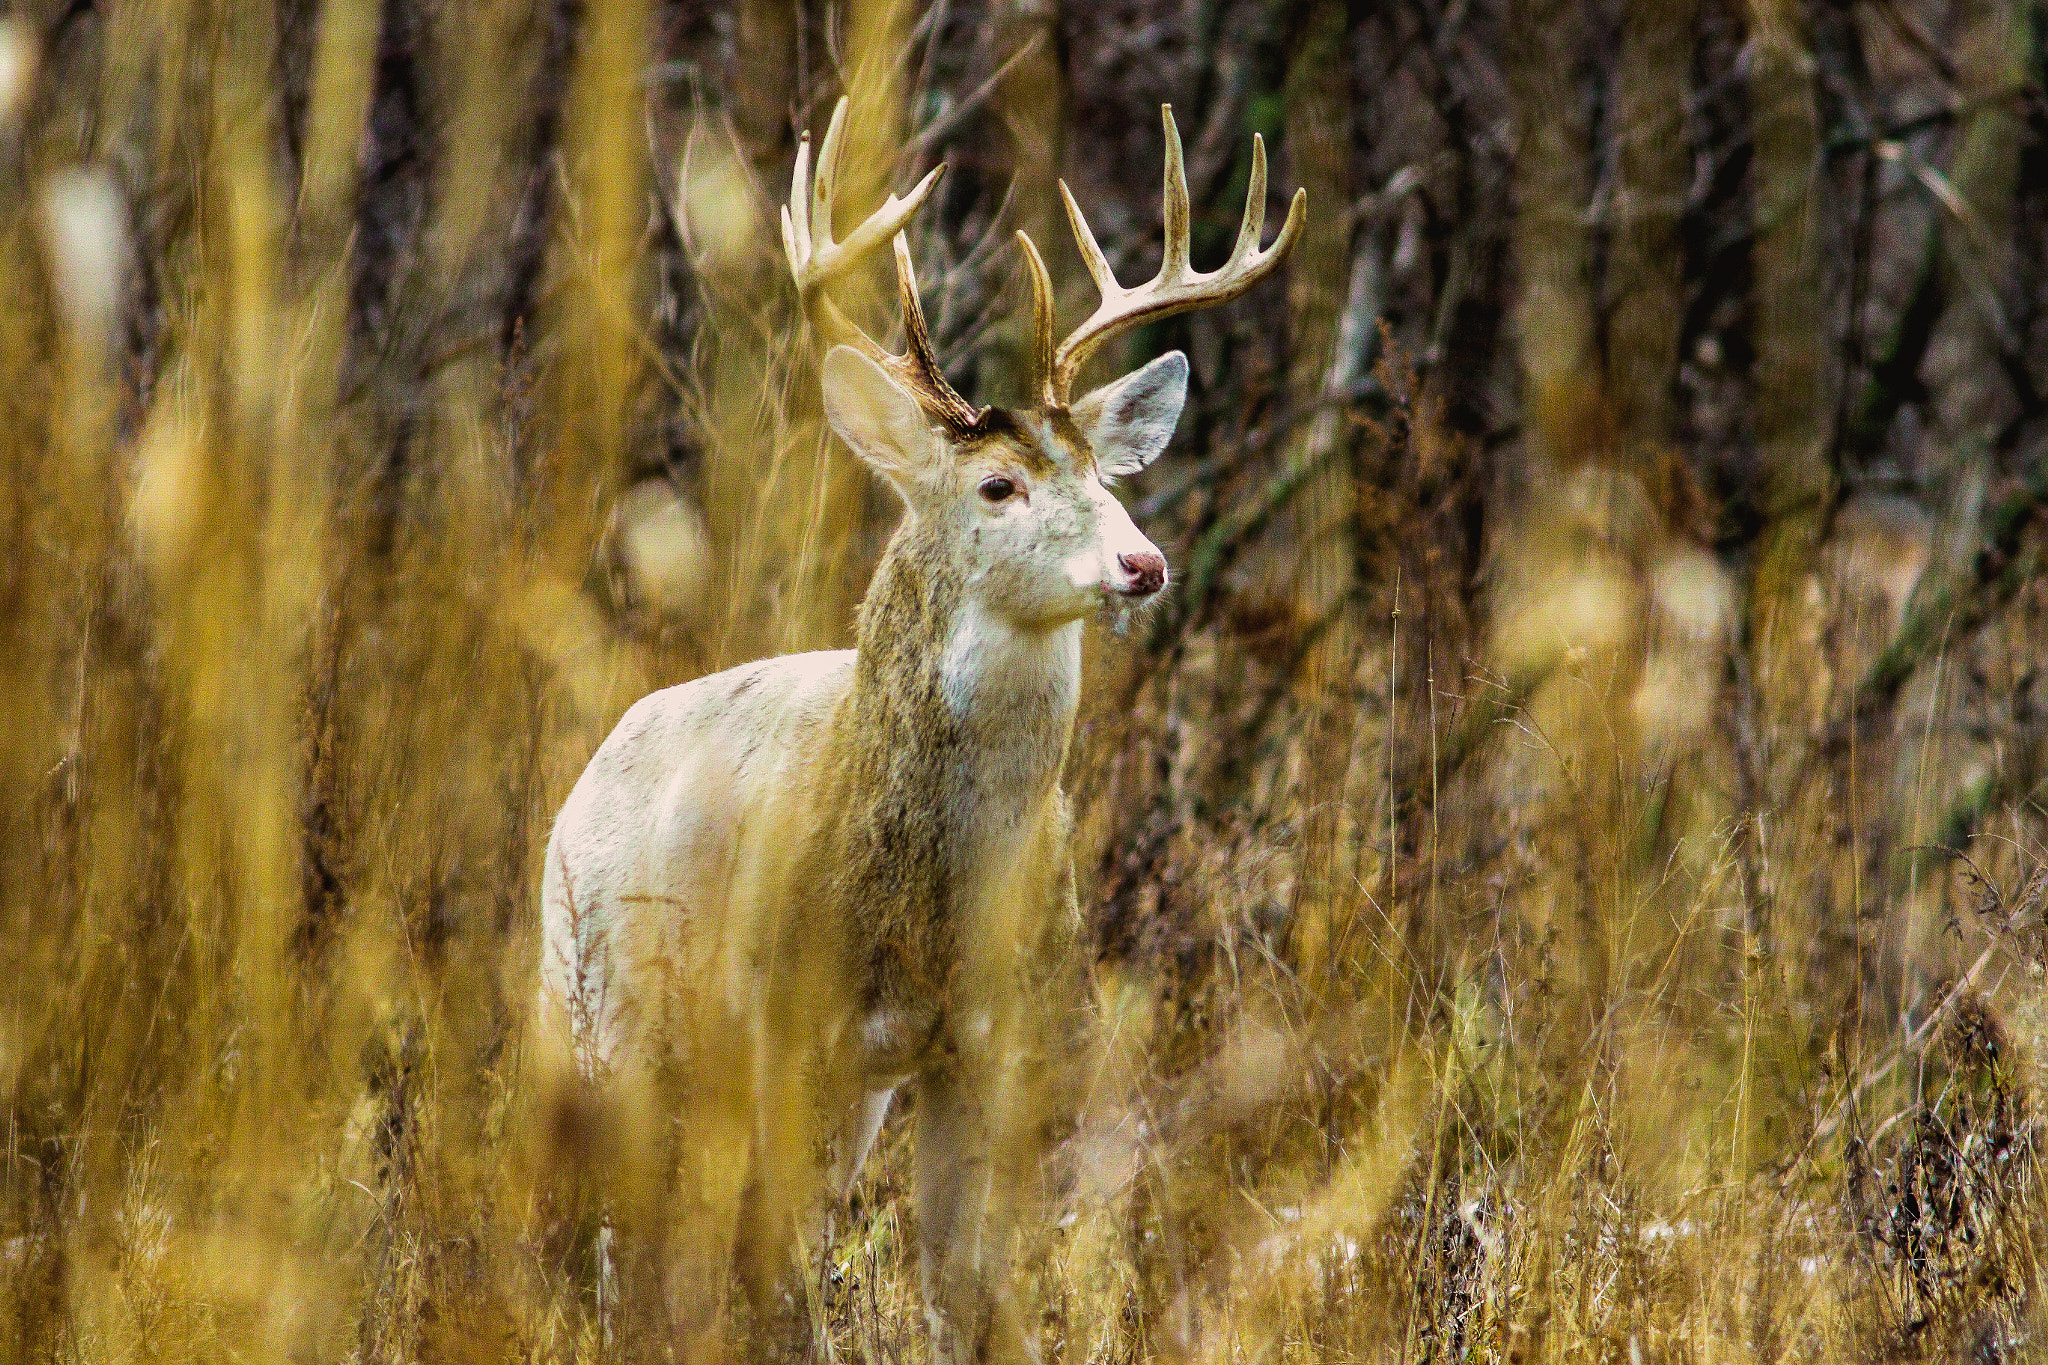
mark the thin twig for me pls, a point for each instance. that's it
(918, 146)
(1911, 1045)
(1908, 28)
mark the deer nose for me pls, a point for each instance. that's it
(1147, 570)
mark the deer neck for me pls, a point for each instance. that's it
(948, 679)
(1013, 690)
(951, 742)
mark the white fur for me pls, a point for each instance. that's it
(1017, 690)
(643, 850)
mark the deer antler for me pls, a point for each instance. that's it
(814, 259)
(1175, 289)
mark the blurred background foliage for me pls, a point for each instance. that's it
(1563, 868)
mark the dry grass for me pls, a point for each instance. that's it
(1500, 975)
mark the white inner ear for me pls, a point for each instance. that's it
(876, 417)
(1130, 421)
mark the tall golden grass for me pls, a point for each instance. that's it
(1502, 975)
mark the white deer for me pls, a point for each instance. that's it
(801, 883)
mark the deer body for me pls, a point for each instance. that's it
(890, 796)
(801, 883)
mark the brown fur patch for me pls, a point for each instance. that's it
(1006, 440)
(1018, 436)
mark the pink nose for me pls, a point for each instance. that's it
(1147, 571)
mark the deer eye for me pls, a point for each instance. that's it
(996, 488)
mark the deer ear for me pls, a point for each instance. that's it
(878, 418)
(1129, 422)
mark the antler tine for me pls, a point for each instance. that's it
(1174, 264)
(1254, 207)
(919, 367)
(815, 259)
(1245, 255)
(1041, 317)
(796, 214)
(1091, 254)
(828, 165)
(1177, 287)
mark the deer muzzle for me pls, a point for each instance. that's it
(1140, 575)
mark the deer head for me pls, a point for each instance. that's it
(1019, 495)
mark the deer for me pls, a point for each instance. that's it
(806, 882)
